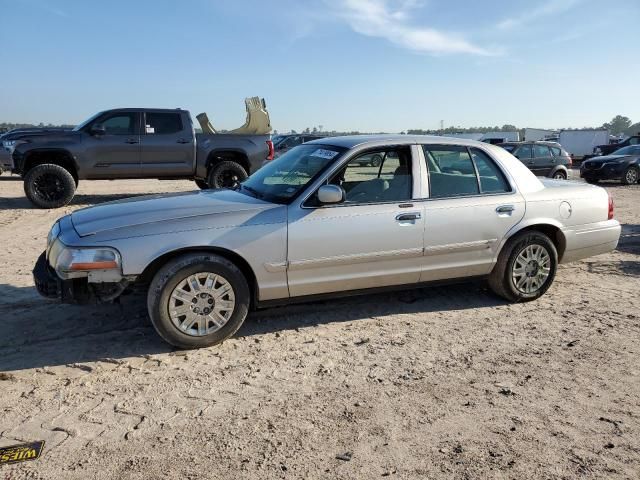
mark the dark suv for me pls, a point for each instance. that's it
(545, 159)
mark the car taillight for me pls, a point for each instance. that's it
(271, 150)
(610, 216)
(570, 161)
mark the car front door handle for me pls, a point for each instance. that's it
(184, 140)
(407, 217)
(505, 209)
(131, 141)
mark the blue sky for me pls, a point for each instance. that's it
(368, 65)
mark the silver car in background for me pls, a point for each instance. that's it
(317, 222)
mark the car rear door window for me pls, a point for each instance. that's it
(541, 151)
(492, 180)
(451, 171)
(162, 123)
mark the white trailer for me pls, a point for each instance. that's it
(582, 142)
(536, 134)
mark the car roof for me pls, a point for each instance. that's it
(351, 141)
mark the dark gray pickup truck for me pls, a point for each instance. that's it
(136, 143)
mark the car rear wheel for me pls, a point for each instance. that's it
(49, 186)
(630, 176)
(376, 160)
(226, 174)
(560, 175)
(526, 267)
(198, 300)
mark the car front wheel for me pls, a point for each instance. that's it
(198, 300)
(526, 267)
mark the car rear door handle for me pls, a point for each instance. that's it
(131, 140)
(505, 209)
(184, 140)
(407, 217)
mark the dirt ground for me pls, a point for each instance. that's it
(448, 382)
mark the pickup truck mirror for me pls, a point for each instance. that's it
(98, 129)
(330, 194)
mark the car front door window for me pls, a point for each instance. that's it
(389, 182)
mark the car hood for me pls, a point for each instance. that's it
(151, 214)
(608, 158)
(45, 136)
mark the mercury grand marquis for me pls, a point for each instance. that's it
(319, 221)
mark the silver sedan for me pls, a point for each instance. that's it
(317, 222)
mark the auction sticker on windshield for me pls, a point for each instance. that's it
(322, 153)
(21, 453)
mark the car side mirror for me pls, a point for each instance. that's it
(328, 194)
(98, 129)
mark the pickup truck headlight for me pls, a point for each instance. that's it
(78, 262)
(10, 145)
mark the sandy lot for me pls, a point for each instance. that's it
(448, 382)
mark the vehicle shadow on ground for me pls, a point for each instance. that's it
(629, 239)
(9, 178)
(39, 333)
(84, 200)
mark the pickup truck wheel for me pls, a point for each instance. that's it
(630, 176)
(198, 300)
(202, 184)
(526, 267)
(49, 186)
(226, 174)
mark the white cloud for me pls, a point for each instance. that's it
(377, 18)
(550, 7)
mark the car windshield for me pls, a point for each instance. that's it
(87, 122)
(629, 150)
(509, 148)
(284, 178)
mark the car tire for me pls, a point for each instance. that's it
(49, 186)
(592, 181)
(376, 160)
(167, 291)
(519, 267)
(202, 185)
(226, 174)
(630, 176)
(559, 175)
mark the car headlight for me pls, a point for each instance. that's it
(53, 234)
(78, 262)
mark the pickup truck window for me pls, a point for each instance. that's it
(120, 124)
(162, 123)
(451, 171)
(281, 180)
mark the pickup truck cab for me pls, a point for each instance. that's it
(612, 147)
(133, 143)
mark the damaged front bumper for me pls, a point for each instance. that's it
(73, 290)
